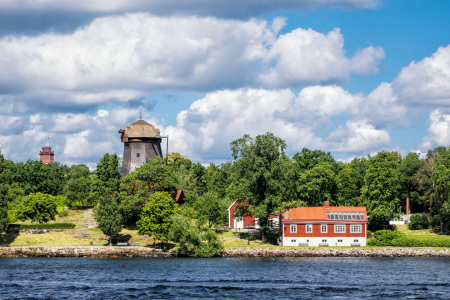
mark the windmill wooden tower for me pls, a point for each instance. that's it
(142, 141)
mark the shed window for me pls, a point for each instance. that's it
(138, 155)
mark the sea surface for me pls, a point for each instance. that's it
(225, 278)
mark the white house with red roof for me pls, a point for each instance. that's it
(247, 221)
(324, 226)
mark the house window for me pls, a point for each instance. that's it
(293, 228)
(323, 228)
(138, 155)
(324, 241)
(340, 241)
(309, 228)
(339, 228)
(293, 241)
(355, 241)
(355, 228)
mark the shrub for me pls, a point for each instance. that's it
(63, 213)
(41, 226)
(383, 238)
(418, 221)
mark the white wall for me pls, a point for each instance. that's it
(331, 241)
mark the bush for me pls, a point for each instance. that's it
(383, 238)
(418, 221)
(63, 213)
(396, 239)
(41, 226)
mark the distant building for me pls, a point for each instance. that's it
(246, 221)
(47, 156)
(142, 142)
(324, 226)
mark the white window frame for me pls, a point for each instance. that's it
(322, 226)
(355, 228)
(293, 228)
(338, 228)
(308, 228)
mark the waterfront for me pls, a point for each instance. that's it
(172, 278)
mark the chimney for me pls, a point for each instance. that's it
(407, 205)
(326, 204)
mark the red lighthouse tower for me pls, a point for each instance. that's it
(47, 155)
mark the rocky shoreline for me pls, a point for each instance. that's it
(102, 251)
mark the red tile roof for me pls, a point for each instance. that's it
(310, 214)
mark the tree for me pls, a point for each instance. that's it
(3, 208)
(348, 192)
(186, 181)
(407, 171)
(317, 185)
(107, 177)
(211, 210)
(156, 216)
(307, 159)
(5, 166)
(380, 190)
(108, 216)
(78, 185)
(192, 240)
(441, 178)
(38, 207)
(252, 175)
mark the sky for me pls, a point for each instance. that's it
(350, 77)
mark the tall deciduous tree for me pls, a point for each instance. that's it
(3, 208)
(108, 215)
(348, 192)
(441, 178)
(211, 209)
(78, 185)
(253, 174)
(407, 172)
(156, 216)
(380, 190)
(107, 177)
(317, 185)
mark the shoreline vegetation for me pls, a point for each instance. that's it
(147, 252)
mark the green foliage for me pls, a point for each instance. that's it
(156, 216)
(380, 190)
(78, 186)
(38, 207)
(348, 192)
(157, 173)
(211, 210)
(192, 241)
(136, 187)
(253, 174)
(390, 238)
(53, 226)
(308, 159)
(384, 238)
(34, 177)
(186, 180)
(418, 221)
(317, 185)
(107, 177)
(217, 178)
(108, 216)
(4, 221)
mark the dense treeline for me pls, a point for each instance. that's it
(259, 173)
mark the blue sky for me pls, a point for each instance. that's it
(350, 77)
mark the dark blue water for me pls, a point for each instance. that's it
(225, 278)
